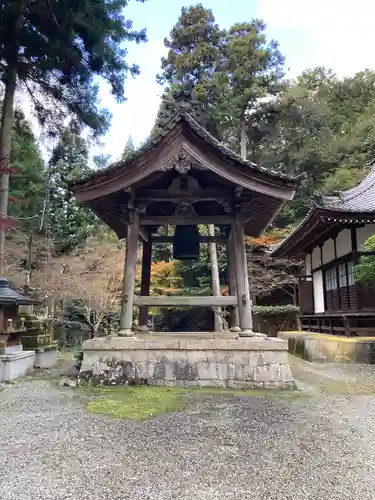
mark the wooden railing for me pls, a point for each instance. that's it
(178, 301)
(349, 324)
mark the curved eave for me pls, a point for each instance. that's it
(184, 131)
(18, 302)
(318, 224)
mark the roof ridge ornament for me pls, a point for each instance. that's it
(182, 163)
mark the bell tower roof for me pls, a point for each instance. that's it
(214, 179)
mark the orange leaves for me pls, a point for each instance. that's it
(14, 199)
(163, 269)
(164, 278)
(263, 241)
(6, 222)
(272, 237)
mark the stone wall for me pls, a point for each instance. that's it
(242, 363)
(320, 347)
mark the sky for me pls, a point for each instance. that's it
(332, 33)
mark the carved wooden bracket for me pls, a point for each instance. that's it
(182, 163)
(184, 208)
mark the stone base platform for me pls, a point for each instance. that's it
(15, 363)
(46, 357)
(188, 360)
(321, 347)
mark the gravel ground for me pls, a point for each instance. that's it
(318, 446)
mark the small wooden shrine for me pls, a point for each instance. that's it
(331, 240)
(184, 178)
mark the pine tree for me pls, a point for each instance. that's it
(54, 49)
(71, 224)
(250, 69)
(129, 149)
(193, 53)
(27, 179)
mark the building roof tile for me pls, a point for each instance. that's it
(355, 204)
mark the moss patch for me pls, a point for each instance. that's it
(138, 403)
(326, 336)
(141, 403)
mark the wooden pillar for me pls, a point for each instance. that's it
(242, 279)
(145, 282)
(215, 279)
(234, 318)
(126, 315)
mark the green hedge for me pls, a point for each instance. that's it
(275, 310)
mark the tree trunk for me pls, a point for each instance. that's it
(5, 146)
(243, 136)
(7, 114)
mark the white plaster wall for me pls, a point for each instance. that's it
(316, 262)
(318, 292)
(307, 265)
(328, 251)
(344, 242)
(363, 233)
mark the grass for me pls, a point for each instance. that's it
(141, 403)
(136, 403)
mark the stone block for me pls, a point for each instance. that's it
(204, 362)
(11, 349)
(289, 385)
(17, 365)
(273, 385)
(207, 370)
(219, 384)
(186, 371)
(272, 357)
(144, 370)
(170, 383)
(267, 373)
(212, 371)
(286, 374)
(250, 384)
(244, 372)
(158, 382)
(258, 385)
(319, 347)
(46, 358)
(231, 371)
(256, 358)
(132, 355)
(236, 384)
(189, 383)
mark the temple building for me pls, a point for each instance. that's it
(186, 178)
(331, 240)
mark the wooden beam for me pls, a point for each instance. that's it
(143, 233)
(151, 195)
(126, 314)
(167, 301)
(145, 281)
(234, 318)
(215, 278)
(158, 238)
(186, 220)
(242, 279)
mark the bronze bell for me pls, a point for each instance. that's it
(186, 243)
